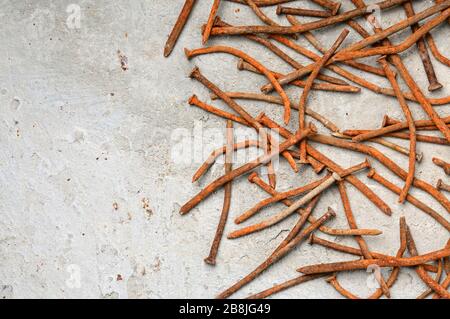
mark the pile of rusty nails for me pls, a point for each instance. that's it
(376, 44)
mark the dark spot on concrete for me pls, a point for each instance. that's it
(123, 60)
(119, 277)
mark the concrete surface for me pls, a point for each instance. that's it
(90, 180)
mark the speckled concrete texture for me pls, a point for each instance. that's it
(90, 180)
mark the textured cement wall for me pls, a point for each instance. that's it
(90, 183)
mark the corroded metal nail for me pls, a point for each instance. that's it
(387, 162)
(304, 97)
(413, 200)
(327, 183)
(423, 52)
(412, 128)
(178, 27)
(385, 262)
(303, 12)
(276, 256)
(210, 23)
(211, 259)
(333, 20)
(421, 271)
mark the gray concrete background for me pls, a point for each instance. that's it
(89, 190)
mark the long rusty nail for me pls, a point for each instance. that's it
(381, 141)
(210, 23)
(412, 129)
(178, 27)
(388, 48)
(304, 97)
(413, 200)
(331, 21)
(193, 100)
(211, 259)
(327, 183)
(359, 239)
(387, 162)
(423, 52)
(303, 12)
(421, 271)
(385, 262)
(277, 256)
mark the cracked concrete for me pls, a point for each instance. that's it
(90, 186)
